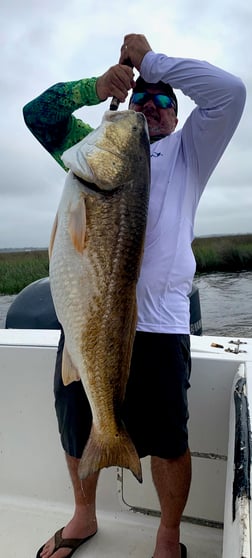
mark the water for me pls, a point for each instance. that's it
(5, 302)
(226, 303)
(225, 299)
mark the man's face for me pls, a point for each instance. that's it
(161, 121)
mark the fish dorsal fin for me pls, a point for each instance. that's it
(77, 225)
(69, 371)
(53, 234)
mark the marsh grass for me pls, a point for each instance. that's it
(218, 253)
(19, 269)
(223, 253)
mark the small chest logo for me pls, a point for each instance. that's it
(156, 154)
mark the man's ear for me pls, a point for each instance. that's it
(175, 124)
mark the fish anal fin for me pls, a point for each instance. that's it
(53, 234)
(118, 451)
(77, 225)
(69, 371)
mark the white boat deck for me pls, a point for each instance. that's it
(26, 525)
(35, 491)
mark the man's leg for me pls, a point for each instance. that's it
(172, 478)
(83, 522)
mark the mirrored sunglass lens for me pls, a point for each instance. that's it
(139, 98)
(163, 101)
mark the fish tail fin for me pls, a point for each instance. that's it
(120, 452)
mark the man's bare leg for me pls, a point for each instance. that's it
(83, 522)
(172, 479)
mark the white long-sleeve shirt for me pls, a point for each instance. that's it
(181, 165)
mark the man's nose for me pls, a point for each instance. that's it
(149, 103)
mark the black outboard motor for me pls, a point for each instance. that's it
(195, 312)
(33, 308)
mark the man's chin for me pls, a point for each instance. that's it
(155, 131)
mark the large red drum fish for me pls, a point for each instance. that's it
(95, 257)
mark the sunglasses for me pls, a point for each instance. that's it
(159, 100)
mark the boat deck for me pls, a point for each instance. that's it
(25, 526)
(35, 489)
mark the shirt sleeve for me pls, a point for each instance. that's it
(49, 117)
(220, 98)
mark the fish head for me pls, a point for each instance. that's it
(108, 156)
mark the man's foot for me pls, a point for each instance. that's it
(182, 551)
(65, 542)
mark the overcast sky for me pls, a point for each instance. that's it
(50, 41)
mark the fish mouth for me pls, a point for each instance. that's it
(112, 152)
(89, 180)
(81, 158)
(92, 186)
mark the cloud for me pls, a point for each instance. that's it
(43, 43)
(224, 211)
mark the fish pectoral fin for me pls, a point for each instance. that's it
(69, 371)
(53, 234)
(77, 225)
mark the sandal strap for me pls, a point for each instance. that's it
(66, 543)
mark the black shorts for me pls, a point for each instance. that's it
(155, 410)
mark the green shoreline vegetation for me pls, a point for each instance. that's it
(213, 254)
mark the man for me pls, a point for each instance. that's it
(181, 164)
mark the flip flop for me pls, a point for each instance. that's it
(183, 550)
(73, 544)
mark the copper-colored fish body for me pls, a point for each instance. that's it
(96, 252)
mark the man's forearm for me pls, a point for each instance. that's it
(49, 117)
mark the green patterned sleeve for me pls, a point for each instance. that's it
(50, 116)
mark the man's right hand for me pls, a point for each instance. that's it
(116, 82)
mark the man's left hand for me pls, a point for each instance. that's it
(134, 48)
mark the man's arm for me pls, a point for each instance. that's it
(50, 116)
(219, 96)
